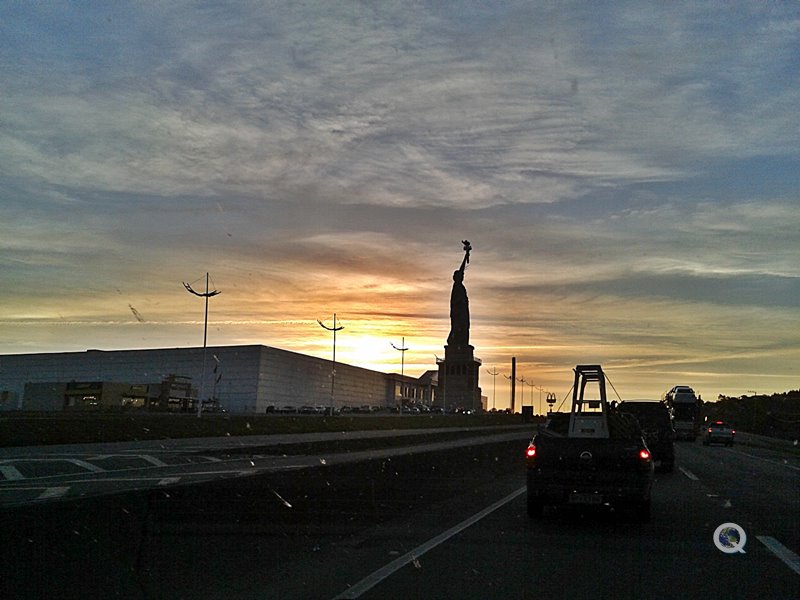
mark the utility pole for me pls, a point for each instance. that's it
(532, 385)
(494, 375)
(513, 379)
(402, 350)
(334, 329)
(207, 294)
(541, 389)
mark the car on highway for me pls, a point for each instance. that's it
(659, 433)
(719, 432)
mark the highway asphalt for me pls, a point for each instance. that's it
(449, 522)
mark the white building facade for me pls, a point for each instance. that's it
(242, 379)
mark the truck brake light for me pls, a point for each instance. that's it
(644, 454)
(531, 451)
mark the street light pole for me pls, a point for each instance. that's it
(402, 350)
(207, 294)
(532, 385)
(334, 329)
(541, 389)
(494, 375)
(512, 379)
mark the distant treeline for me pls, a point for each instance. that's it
(777, 415)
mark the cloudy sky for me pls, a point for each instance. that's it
(627, 173)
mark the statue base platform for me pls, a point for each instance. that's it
(458, 379)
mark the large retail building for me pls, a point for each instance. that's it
(238, 379)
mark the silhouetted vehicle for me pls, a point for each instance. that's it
(656, 422)
(593, 455)
(719, 432)
(685, 408)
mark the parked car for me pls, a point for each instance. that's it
(719, 432)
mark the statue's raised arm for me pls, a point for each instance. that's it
(467, 250)
(459, 304)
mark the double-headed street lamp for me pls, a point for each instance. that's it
(494, 375)
(334, 329)
(531, 385)
(512, 379)
(402, 350)
(207, 294)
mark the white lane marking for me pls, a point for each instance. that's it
(11, 473)
(186, 475)
(145, 457)
(53, 492)
(85, 465)
(774, 462)
(212, 458)
(168, 480)
(152, 460)
(375, 578)
(781, 551)
(75, 461)
(689, 474)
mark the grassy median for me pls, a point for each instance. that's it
(27, 429)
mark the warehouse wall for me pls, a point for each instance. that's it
(250, 377)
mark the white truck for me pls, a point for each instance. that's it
(685, 407)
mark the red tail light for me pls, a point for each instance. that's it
(733, 432)
(644, 454)
(530, 452)
(709, 430)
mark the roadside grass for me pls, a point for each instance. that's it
(40, 429)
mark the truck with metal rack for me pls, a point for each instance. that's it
(594, 455)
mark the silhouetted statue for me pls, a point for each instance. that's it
(459, 304)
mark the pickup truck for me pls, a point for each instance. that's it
(593, 455)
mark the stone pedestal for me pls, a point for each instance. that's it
(458, 379)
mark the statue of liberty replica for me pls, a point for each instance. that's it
(458, 372)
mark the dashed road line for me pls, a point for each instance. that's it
(152, 460)
(53, 492)
(689, 474)
(781, 551)
(85, 465)
(169, 480)
(11, 473)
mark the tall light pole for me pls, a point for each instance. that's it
(522, 381)
(532, 385)
(402, 350)
(334, 329)
(494, 375)
(207, 294)
(513, 380)
(541, 389)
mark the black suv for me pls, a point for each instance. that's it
(656, 423)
